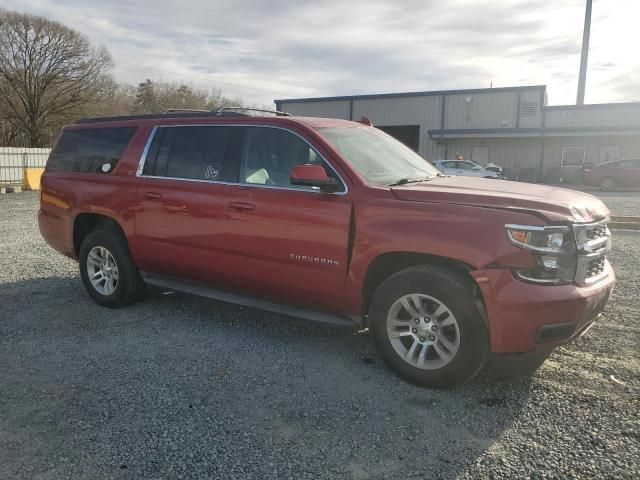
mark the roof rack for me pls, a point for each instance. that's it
(184, 110)
(186, 113)
(277, 113)
(172, 113)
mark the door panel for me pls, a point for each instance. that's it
(183, 201)
(276, 241)
(290, 242)
(291, 246)
(467, 169)
(180, 228)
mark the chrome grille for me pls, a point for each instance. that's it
(599, 231)
(593, 241)
(595, 267)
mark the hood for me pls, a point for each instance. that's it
(555, 204)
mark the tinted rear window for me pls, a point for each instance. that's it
(89, 149)
(194, 152)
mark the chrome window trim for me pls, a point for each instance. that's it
(145, 152)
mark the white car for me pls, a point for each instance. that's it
(465, 168)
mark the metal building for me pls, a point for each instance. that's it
(512, 127)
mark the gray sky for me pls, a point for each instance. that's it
(262, 50)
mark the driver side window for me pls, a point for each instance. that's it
(269, 154)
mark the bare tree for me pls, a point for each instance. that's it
(217, 100)
(155, 96)
(47, 72)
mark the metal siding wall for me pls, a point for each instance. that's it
(332, 109)
(422, 111)
(532, 121)
(620, 116)
(486, 110)
(629, 147)
(503, 152)
(432, 150)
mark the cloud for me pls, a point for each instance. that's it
(284, 48)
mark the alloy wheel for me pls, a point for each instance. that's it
(423, 331)
(102, 270)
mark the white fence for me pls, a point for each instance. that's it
(15, 160)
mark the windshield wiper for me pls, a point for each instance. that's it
(404, 181)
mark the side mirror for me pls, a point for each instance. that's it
(477, 168)
(312, 176)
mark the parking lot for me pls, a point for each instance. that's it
(183, 387)
(621, 203)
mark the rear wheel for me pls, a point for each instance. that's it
(107, 270)
(427, 327)
(608, 184)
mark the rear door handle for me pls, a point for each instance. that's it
(241, 205)
(152, 195)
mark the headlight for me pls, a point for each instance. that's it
(554, 249)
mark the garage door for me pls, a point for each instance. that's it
(407, 134)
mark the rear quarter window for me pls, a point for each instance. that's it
(87, 150)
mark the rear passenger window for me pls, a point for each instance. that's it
(90, 150)
(196, 153)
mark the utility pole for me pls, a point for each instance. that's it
(582, 79)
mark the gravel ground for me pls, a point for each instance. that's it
(621, 203)
(180, 387)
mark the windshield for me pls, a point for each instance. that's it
(378, 157)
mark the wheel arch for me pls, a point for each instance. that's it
(85, 223)
(386, 264)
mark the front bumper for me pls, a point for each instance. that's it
(524, 317)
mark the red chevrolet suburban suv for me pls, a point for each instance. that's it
(329, 220)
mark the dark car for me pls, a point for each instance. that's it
(611, 175)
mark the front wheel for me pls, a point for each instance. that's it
(427, 328)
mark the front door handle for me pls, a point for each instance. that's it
(152, 195)
(241, 205)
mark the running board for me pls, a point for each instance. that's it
(203, 290)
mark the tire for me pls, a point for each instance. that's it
(110, 247)
(608, 184)
(438, 360)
